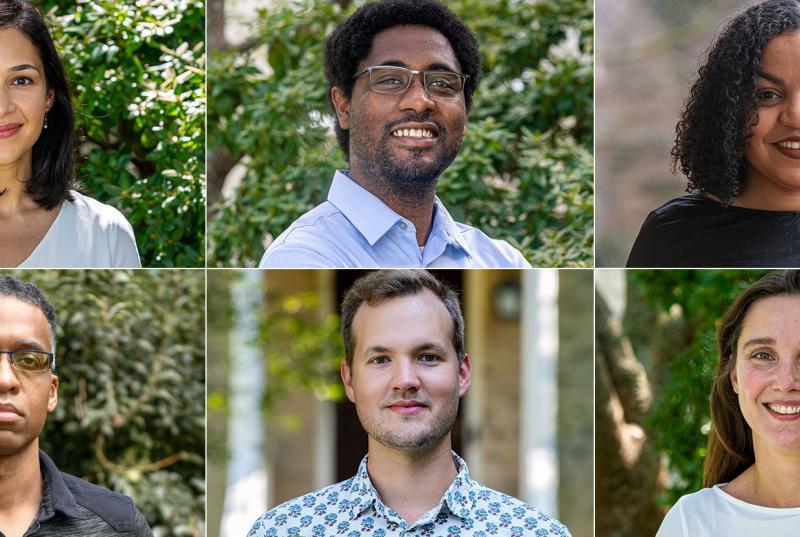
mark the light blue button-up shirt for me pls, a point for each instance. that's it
(353, 508)
(355, 229)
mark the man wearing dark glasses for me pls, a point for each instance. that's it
(401, 75)
(36, 500)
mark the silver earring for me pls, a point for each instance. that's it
(45, 120)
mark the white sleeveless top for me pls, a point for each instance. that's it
(712, 512)
(86, 234)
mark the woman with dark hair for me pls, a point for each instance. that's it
(752, 469)
(43, 223)
(738, 142)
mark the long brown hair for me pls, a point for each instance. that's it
(730, 442)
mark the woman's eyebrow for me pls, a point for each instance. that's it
(759, 341)
(771, 78)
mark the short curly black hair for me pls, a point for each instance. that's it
(721, 110)
(351, 42)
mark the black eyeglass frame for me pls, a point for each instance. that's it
(51, 360)
(424, 75)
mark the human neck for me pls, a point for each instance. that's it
(416, 206)
(20, 490)
(773, 481)
(411, 482)
(765, 195)
(13, 179)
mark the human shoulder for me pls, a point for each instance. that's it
(511, 512)
(97, 213)
(104, 229)
(491, 253)
(116, 510)
(289, 517)
(311, 241)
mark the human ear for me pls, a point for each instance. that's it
(51, 97)
(342, 106)
(734, 380)
(52, 399)
(347, 380)
(464, 376)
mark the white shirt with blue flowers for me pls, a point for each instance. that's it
(353, 508)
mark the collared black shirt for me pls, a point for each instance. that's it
(72, 507)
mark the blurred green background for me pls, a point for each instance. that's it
(136, 69)
(131, 411)
(524, 173)
(655, 362)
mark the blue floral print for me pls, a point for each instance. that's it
(353, 508)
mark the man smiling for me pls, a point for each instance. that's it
(405, 370)
(401, 77)
(36, 500)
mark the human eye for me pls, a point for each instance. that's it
(767, 96)
(763, 356)
(429, 358)
(22, 81)
(30, 360)
(379, 360)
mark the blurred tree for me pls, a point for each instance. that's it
(132, 404)
(524, 173)
(654, 377)
(137, 73)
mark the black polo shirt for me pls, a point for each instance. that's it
(72, 507)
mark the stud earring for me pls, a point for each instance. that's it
(45, 120)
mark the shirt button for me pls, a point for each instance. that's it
(403, 225)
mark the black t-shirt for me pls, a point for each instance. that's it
(696, 231)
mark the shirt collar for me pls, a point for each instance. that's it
(459, 497)
(57, 496)
(373, 218)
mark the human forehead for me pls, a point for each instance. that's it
(776, 317)
(413, 46)
(17, 49)
(781, 54)
(22, 322)
(402, 322)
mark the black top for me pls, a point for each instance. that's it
(72, 507)
(696, 231)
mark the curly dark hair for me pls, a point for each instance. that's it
(351, 42)
(721, 110)
(52, 161)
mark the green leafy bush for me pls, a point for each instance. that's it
(131, 406)
(524, 173)
(137, 72)
(681, 418)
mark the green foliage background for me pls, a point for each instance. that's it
(680, 419)
(524, 173)
(131, 412)
(136, 68)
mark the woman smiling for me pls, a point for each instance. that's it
(43, 223)
(738, 143)
(752, 469)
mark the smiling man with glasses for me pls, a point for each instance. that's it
(36, 500)
(401, 75)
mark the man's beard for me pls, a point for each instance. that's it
(410, 179)
(411, 437)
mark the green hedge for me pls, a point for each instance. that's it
(131, 411)
(524, 173)
(137, 72)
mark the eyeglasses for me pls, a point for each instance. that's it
(392, 80)
(31, 361)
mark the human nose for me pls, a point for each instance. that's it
(9, 381)
(6, 103)
(416, 96)
(788, 376)
(405, 375)
(791, 112)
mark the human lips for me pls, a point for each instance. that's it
(789, 146)
(9, 413)
(9, 129)
(415, 131)
(784, 409)
(407, 407)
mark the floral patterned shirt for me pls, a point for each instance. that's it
(353, 508)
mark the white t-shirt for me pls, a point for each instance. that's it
(712, 512)
(86, 234)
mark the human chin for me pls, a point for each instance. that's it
(408, 165)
